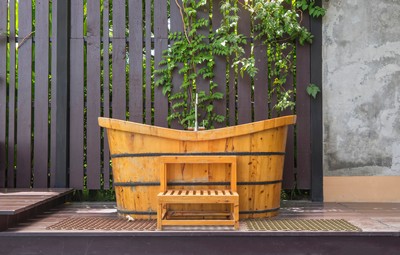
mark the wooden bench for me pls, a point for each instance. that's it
(205, 196)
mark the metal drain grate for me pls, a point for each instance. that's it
(104, 223)
(333, 225)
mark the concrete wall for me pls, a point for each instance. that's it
(361, 88)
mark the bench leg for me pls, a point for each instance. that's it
(236, 214)
(159, 215)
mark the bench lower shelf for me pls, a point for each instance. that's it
(194, 218)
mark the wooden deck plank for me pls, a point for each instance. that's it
(17, 205)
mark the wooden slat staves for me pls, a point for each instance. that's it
(148, 103)
(176, 25)
(160, 44)
(244, 82)
(40, 149)
(76, 96)
(93, 94)
(11, 99)
(135, 61)
(219, 69)
(303, 113)
(118, 61)
(106, 92)
(3, 90)
(24, 124)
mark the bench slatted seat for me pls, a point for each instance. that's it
(202, 196)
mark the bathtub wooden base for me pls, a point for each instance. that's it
(259, 147)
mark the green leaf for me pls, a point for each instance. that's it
(313, 90)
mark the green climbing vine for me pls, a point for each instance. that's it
(276, 23)
(193, 55)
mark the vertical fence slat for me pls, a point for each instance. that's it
(118, 61)
(3, 90)
(260, 81)
(93, 95)
(160, 44)
(176, 26)
(53, 106)
(244, 82)
(232, 95)
(220, 68)
(289, 171)
(106, 91)
(202, 84)
(24, 95)
(40, 148)
(11, 100)
(135, 61)
(59, 94)
(148, 103)
(76, 127)
(303, 113)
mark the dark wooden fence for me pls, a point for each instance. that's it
(110, 74)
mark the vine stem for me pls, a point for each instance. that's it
(183, 20)
(25, 38)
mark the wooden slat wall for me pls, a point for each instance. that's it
(3, 90)
(135, 61)
(41, 127)
(260, 81)
(201, 84)
(106, 92)
(160, 44)
(11, 99)
(53, 106)
(289, 167)
(303, 113)
(148, 92)
(244, 83)
(118, 61)
(93, 95)
(220, 67)
(24, 119)
(76, 117)
(176, 26)
(92, 75)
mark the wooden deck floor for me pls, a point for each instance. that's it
(17, 205)
(379, 222)
(371, 218)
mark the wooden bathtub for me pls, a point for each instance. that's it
(259, 147)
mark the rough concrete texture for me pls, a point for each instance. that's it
(361, 87)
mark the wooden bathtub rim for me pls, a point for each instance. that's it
(183, 135)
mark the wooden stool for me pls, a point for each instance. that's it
(167, 196)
